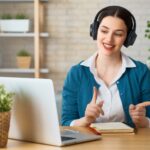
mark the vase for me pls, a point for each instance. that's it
(24, 62)
(4, 128)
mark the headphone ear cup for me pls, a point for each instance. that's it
(130, 39)
(93, 30)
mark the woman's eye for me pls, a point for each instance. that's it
(118, 34)
(103, 31)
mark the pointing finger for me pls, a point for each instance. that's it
(144, 104)
(100, 104)
(94, 98)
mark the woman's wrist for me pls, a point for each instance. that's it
(82, 122)
(145, 123)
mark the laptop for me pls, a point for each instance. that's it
(34, 113)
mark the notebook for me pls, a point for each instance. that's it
(34, 115)
(112, 127)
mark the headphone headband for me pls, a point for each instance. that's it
(131, 35)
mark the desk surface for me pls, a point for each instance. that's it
(138, 141)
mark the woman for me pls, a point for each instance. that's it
(108, 86)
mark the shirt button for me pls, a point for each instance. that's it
(117, 82)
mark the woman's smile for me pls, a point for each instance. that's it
(108, 47)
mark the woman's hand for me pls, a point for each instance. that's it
(138, 114)
(92, 111)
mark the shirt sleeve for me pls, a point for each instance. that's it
(145, 88)
(149, 122)
(70, 97)
(72, 123)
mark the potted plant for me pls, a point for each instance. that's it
(19, 23)
(147, 35)
(23, 59)
(6, 99)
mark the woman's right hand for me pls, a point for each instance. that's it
(92, 111)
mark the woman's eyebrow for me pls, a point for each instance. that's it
(121, 30)
(104, 27)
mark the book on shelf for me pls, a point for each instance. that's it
(112, 127)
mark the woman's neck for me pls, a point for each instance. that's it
(103, 61)
(108, 67)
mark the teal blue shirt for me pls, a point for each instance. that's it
(133, 86)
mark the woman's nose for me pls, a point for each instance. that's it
(109, 37)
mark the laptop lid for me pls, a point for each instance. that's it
(34, 113)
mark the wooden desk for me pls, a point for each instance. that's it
(138, 141)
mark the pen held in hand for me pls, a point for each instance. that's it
(94, 130)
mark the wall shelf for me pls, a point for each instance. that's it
(18, 70)
(30, 34)
(21, 0)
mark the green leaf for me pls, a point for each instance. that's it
(147, 30)
(6, 99)
(21, 16)
(23, 52)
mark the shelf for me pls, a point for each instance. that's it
(30, 34)
(17, 70)
(38, 22)
(21, 0)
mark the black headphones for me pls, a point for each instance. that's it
(131, 37)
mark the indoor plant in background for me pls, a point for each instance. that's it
(18, 23)
(6, 99)
(23, 59)
(147, 35)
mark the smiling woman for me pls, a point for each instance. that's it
(108, 86)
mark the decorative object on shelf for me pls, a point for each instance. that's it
(147, 35)
(23, 59)
(35, 31)
(6, 99)
(19, 23)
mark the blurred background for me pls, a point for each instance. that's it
(67, 23)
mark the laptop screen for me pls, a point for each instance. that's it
(34, 114)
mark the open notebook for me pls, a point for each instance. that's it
(112, 127)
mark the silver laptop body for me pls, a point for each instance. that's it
(34, 114)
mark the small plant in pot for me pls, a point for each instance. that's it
(23, 59)
(18, 23)
(6, 16)
(6, 99)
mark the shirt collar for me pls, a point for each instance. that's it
(126, 61)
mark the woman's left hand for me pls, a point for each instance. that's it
(138, 115)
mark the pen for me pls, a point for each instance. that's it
(94, 131)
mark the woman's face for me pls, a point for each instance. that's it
(111, 35)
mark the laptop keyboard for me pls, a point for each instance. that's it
(64, 138)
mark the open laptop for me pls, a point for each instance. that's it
(34, 115)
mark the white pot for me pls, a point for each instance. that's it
(15, 25)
